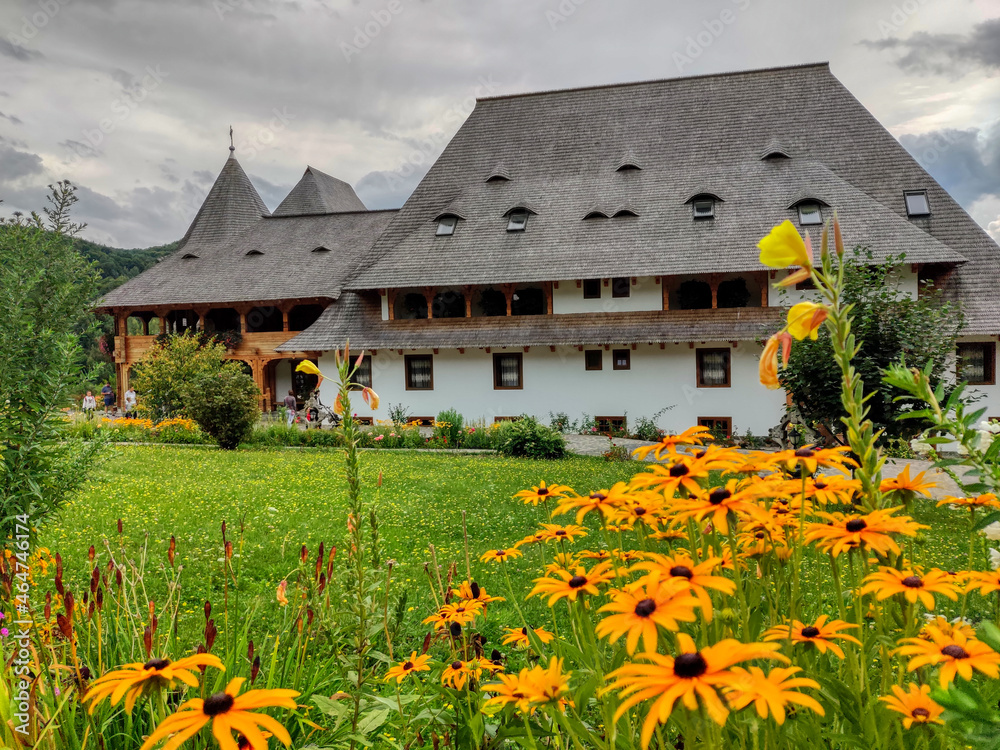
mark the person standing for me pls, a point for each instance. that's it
(290, 406)
(130, 402)
(109, 398)
(89, 404)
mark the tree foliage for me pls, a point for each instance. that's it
(174, 363)
(45, 289)
(890, 327)
(225, 405)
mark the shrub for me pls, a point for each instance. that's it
(398, 413)
(449, 425)
(225, 405)
(561, 421)
(170, 368)
(528, 438)
(477, 436)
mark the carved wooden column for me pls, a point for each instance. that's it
(713, 281)
(548, 297)
(508, 292)
(202, 313)
(764, 285)
(467, 293)
(243, 318)
(429, 297)
(665, 293)
(285, 309)
(391, 299)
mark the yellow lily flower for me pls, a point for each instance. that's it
(308, 368)
(784, 247)
(805, 318)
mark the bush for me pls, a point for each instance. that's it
(477, 436)
(528, 438)
(646, 428)
(225, 405)
(449, 425)
(398, 414)
(170, 368)
(560, 421)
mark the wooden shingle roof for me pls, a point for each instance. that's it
(231, 206)
(561, 150)
(319, 193)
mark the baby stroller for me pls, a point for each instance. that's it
(318, 414)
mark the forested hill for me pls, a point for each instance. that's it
(117, 265)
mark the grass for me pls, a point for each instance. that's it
(285, 499)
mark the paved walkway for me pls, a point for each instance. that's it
(596, 445)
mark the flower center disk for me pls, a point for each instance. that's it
(690, 665)
(855, 525)
(216, 704)
(810, 632)
(955, 651)
(577, 581)
(645, 608)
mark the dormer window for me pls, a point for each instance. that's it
(916, 203)
(254, 252)
(446, 226)
(629, 167)
(596, 215)
(321, 249)
(625, 212)
(703, 208)
(188, 256)
(517, 220)
(810, 213)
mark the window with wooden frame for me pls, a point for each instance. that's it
(977, 363)
(714, 368)
(621, 287)
(419, 372)
(591, 288)
(720, 426)
(594, 359)
(363, 375)
(610, 424)
(508, 372)
(622, 359)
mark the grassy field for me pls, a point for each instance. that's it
(282, 499)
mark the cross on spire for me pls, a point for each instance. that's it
(232, 145)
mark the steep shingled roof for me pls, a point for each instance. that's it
(319, 193)
(561, 150)
(231, 206)
(357, 317)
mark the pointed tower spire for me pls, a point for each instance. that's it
(319, 193)
(232, 144)
(231, 206)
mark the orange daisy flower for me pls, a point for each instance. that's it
(543, 493)
(518, 637)
(405, 668)
(501, 555)
(914, 704)
(809, 458)
(846, 532)
(697, 577)
(947, 628)
(568, 585)
(470, 591)
(603, 501)
(133, 680)
(820, 634)
(640, 609)
(457, 674)
(905, 485)
(669, 443)
(692, 676)
(830, 488)
(912, 585)
(553, 532)
(987, 583)
(989, 500)
(736, 496)
(954, 654)
(770, 693)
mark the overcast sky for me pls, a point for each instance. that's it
(132, 99)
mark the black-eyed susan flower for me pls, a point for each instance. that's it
(985, 582)
(988, 500)
(533, 538)
(717, 503)
(683, 473)
(501, 555)
(227, 712)
(947, 627)
(405, 668)
(953, 654)
(603, 501)
(553, 532)
(908, 487)
(691, 676)
(470, 591)
(822, 634)
(669, 443)
(914, 704)
(809, 458)
(562, 561)
(565, 584)
(543, 493)
(532, 687)
(640, 609)
(133, 680)
(642, 508)
(828, 488)
(696, 576)
(666, 535)
(518, 637)
(913, 585)
(456, 674)
(843, 533)
(770, 693)
(461, 613)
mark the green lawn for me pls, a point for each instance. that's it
(283, 499)
(286, 498)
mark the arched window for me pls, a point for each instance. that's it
(412, 306)
(264, 320)
(528, 301)
(222, 319)
(448, 304)
(491, 303)
(301, 317)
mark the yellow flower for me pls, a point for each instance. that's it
(132, 680)
(370, 397)
(768, 368)
(640, 610)
(903, 483)
(912, 585)
(226, 712)
(404, 669)
(916, 705)
(280, 594)
(805, 318)
(308, 368)
(784, 247)
(501, 555)
(770, 693)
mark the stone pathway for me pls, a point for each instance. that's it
(596, 445)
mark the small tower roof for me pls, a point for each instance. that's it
(231, 206)
(319, 193)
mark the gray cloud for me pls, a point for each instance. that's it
(965, 162)
(15, 164)
(9, 49)
(389, 189)
(11, 118)
(946, 54)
